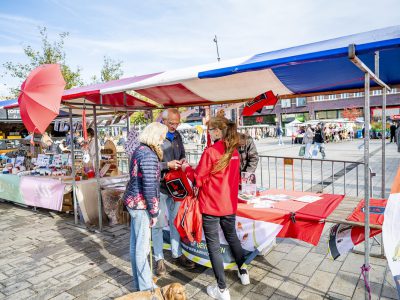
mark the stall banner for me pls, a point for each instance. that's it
(391, 237)
(255, 236)
(42, 192)
(9, 188)
(343, 238)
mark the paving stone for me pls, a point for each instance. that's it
(63, 296)
(60, 288)
(254, 296)
(24, 294)
(274, 257)
(2, 277)
(98, 292)
(376, 290)
(86, 285)
(353, 263)
(309, 264)
(25, 275)
(289, 289)
(284, 268)
(48, 274)
(297, 253)
(257, 273)
(329, 265)
(12, 289)
(389, 287)
(267, 286)
(345, 283)
(336, 296)
(320, 282)
(306, 295)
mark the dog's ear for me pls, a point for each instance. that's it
(176, 291)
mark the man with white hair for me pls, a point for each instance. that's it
(173, 157)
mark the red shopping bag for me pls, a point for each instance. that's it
(188, 221)
(178, 185)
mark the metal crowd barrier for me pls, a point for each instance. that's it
(311, 175)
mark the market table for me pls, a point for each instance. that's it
(257, 226)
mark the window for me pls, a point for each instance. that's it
(393, 91)
(285, 103)
(345, 95)
(331, 97)
(319, 98)
(376, 92)
(301, 101)
(359, 94)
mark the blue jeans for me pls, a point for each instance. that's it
(157, 230)
(139, 249)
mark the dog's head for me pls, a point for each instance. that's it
(175, 291)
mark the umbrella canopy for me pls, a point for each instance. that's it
(40, 97)
(308, 69)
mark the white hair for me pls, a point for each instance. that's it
(153, 134)
(168, 111)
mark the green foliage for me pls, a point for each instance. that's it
(52, 52)
(111, 69)
(138, 118)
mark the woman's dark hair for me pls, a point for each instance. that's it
(90, 132)
(230, 138)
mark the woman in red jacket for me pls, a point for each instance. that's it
(217, 178)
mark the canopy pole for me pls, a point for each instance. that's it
(383, 133)
(366, 179)
(73, 168)
(97, 166)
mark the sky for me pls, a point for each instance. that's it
(152, 36)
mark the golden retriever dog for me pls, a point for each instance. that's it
(173, 291)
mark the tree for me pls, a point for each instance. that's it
(111, 70)
(138, 118)
(52, 52)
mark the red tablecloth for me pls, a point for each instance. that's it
(300, 220)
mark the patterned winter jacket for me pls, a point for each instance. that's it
(143, 189)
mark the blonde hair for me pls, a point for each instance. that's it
(153, 136)
(230, 138)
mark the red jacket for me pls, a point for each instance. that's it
(218, 193)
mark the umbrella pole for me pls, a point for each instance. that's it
(73, 168)
(96, 141)
(366, 178)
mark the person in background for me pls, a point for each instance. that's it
(173, 157)
(248, 153)
(217, 179)
(307, 140)
(318, 141)
(279, 134)
(393, 133)
(92, 147)
(141, 198)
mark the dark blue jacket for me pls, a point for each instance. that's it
(172, 150)
(143, 189)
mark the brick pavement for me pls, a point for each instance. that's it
(43, 256)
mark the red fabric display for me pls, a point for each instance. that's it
(265, 99)
(188, 221)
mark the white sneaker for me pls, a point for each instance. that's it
(244, 276)
(214, 292)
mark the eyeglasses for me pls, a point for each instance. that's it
(212, 129)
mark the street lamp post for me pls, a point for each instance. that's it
(216, 44)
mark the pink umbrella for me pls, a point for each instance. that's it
(40, 97)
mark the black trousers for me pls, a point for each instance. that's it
(210, 227)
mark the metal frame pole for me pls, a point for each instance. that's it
(383, 133)
(383, 185)
(99, 204)
(366, 177)
(73, 168)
